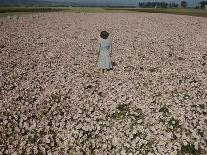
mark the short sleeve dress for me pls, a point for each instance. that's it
(105, 51)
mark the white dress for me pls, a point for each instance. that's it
(105, 50)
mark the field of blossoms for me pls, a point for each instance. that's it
(55, 101)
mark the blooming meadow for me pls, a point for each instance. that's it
(54, 100)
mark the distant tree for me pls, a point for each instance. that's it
(148, 4)
(202, 4)
(175, 5)
(141, 5)
(165, 5)
(158, 4)
(184, 4)
(172, 5)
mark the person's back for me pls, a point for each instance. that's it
(105, 51)
(105, 44)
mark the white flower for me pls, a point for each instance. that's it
(104, 146)
(123, 152)
(115, 141)
(47, 140)
(35, 149)
(196, 145)
(77, 148)
(173, 153)
(127, 145)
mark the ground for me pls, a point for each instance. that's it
(54, 99)
(5, 11)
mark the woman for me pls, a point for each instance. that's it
(105, 51)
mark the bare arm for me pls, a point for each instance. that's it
(98, 44)
(98, 48)
(110, 48)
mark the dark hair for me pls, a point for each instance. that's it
(104, 34)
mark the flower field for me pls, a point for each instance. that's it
(55, 101)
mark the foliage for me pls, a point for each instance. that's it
(184, 4)
(157, 5)
(29, 9)
(189, 149)
(202, 4)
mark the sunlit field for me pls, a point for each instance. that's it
(179, 11)
(54, 100)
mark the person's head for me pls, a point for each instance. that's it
(104, 34)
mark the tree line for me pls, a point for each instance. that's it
(183, 4)
(157, 5)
